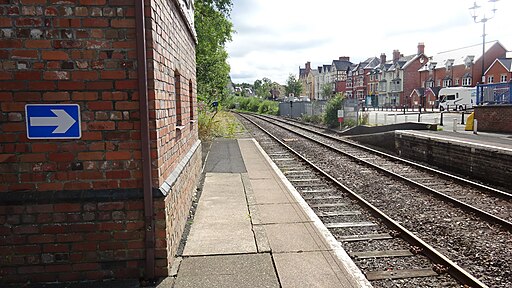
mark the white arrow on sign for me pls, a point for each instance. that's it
(63, 121)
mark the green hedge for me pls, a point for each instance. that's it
(253, 104)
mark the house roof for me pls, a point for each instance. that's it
(314, 72)
(506, 62)
(418, 91)
(435, 90)
(302, 72)
(341, 65)
(372, 63)
(459, 55)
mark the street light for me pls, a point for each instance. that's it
(483, 19)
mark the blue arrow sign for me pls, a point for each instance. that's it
(53, 121)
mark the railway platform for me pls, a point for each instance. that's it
(252, 229)
(493, 141)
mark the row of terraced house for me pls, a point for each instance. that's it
(412, 80)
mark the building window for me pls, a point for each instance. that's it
(430, 84)
(457, 82)
(177, 93)
(490, 79)
(466, 81)
(503, 78)
(191, 99)
(447, 82)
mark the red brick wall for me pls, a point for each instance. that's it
(165, 73)
(496, 71)
(71, 241)
(86, 195)
(411, 81)
(494, 118)
(70, 53)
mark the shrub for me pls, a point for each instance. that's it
(331, 110)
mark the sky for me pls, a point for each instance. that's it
(274, 37)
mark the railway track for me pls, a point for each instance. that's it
(397, 236)
(490, 203)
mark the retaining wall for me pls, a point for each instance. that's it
(477, 162)
(494, 118)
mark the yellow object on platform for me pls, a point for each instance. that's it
(469, 122)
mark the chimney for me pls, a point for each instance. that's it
(396, 56)
(382, 58)
(308, 66)
(344, 58)
(421, 48)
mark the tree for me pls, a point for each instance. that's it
(262, 88)
(214, 30)
(293, 86)
(331, 111)
(326, 90)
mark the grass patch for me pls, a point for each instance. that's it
(218, 124)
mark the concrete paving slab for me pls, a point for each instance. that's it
(268, 191)
(225, 157)
(166, 283)
(254, 270)
(309, 269)
(261, 239)
(257, 167)
(222, 216)
(293, 237)
(280, 213)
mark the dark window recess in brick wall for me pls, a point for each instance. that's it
(191, 100)
(177, 93)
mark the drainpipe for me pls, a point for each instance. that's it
(142, 78)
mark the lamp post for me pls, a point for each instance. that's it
(482, 19)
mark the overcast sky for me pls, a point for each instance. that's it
(274, 37)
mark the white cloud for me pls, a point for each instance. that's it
(275, 37)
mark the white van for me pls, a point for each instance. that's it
(457, 98)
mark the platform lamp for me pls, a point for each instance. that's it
(483, 19)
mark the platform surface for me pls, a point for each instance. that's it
(251, 230)
(481, 139)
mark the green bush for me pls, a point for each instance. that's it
(252, 104)
(331, 110)
(269, 107)
(315, 119)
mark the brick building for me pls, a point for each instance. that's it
(399, 77)
(112, 204)
(459, 67)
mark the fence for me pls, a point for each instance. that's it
(295, 109)
(351, 109)
(491, 94)
(298, 108)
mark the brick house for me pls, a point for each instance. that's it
(324, 77)
(500, 71)
(459, 67)
(339, 70)
(399, 77)
(310, 84)
(303, 74)
(359, 76)
(112, 204)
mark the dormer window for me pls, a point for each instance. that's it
(432, 66)
(468, 62)
(449, 64)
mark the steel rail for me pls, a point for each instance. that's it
(479, 212)
(453, 269)
(383, 154)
